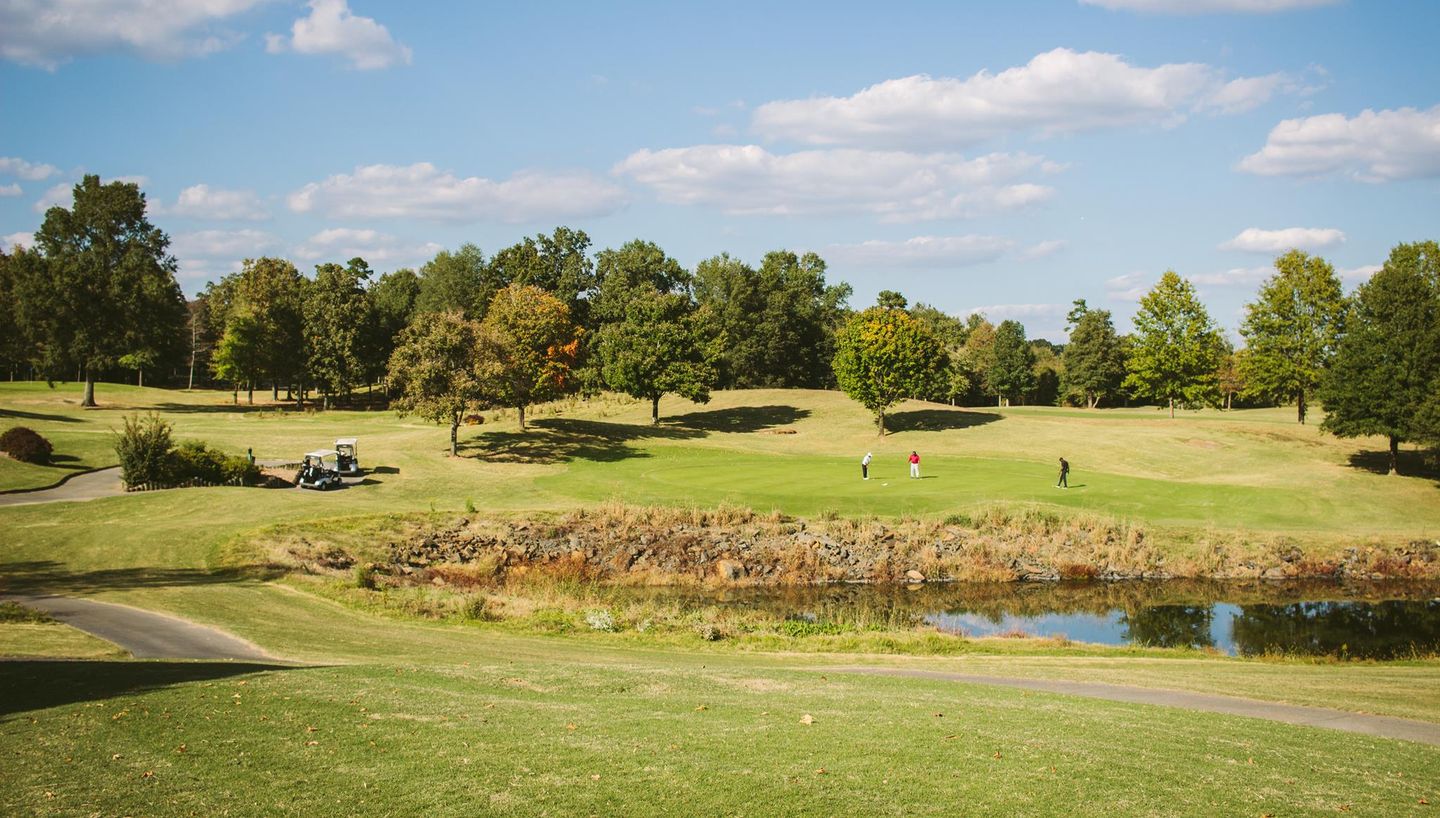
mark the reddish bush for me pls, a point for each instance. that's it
(26, 444)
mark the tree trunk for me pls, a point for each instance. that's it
(192, 353)
(455, 434)
(880, 422)
(999, 401)
(140, 378)
(274, 390)
(1394, 454)
(1172, 407)
(521, 411)
(1300, 406)
(250, 392)
(655, 411)
(88, 399)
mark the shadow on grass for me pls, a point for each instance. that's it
(561, 440)
(44, 576)
(738, 419)
(218, 408)
(1411, 463)
(16, 413)
(385, 470)
(36, 685)
(938, 420)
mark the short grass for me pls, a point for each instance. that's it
(414, 717)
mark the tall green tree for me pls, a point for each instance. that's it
(106, 287)
(1012, 368)
(456, 281)
(240, 356)
(636, 267)
(656, 350)
(1386, 370)
(392, 301)
(1292, 328)
(337, 315)
(16, 351)
(1094, 357)
(271, 293)
(442, 367)
(883, 355)
(558, 263)
(1176, 348)
(728, 297)
(539, 345)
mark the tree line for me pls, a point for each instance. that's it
(547, 316)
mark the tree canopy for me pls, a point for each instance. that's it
(103, 285)
(538, 343)
(443, 366)
(1291, 329)
(656, 350)
(1385, 377)
(883, 355)
(1176, 348)
(1012, 366)
(1094, 357)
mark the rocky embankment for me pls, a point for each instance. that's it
(768, 551)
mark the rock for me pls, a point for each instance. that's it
(730, 570)
(914, 576)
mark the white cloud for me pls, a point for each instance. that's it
(422, 191)
(921, 251)
(1000, 312)
(1359, 274)
(1208, 6)
(47, 33)
(30, 172)
(1374, 146)
(22, 238)
(1042, 249)
(204, 202)
(1128, 287)
(340, 244)
(57, 195)
(331, 28)
(10, 190)
(1255, 240)
(223, 244)
(895, 186)
(1059, 91)
(1237, 277)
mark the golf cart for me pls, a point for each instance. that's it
(318, 471)
(347, 460)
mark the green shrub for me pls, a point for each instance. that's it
(365, 576)
(143, 447)
(191, 460)
(26, 444)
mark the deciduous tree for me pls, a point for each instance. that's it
(1012, 368)
(1176, 347)
(1386, 370)
(1094, 357)
(1292, 328)
(336, 325)
(442, 367)
(538, 343)
(883, 355)
(656, 350)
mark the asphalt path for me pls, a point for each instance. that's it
(145, 634)
(1380, 726)
(88, 486)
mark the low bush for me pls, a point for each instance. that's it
(26, 444)
(143, 447)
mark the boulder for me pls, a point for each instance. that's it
(730, 570)
(914, 576)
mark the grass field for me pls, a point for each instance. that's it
(398, 716)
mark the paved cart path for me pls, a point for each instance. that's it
(147, 635)
(1381, 726)
(88, 486)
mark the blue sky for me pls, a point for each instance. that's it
(1007, 156)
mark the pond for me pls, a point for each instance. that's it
(1352, 620)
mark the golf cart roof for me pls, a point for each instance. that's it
(321, 453)
(345, 441)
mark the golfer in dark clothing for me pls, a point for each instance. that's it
(1064, 470)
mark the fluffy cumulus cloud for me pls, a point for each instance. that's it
(1236, 277)
(340, 244)
(1374, 146)
(47, 33)
(208, 254)
(892, 185)
(13, 240)
(331, 28)
(921, 251)
(10, 190)
(1358, 275)
(1000, 312)
(29, 171)
(422, 191)
(204, 202)
(1255, 240)
(1208, 6)
(1056, 92)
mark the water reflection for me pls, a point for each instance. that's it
(1357, 620)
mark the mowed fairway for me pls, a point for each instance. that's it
(395, 716)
